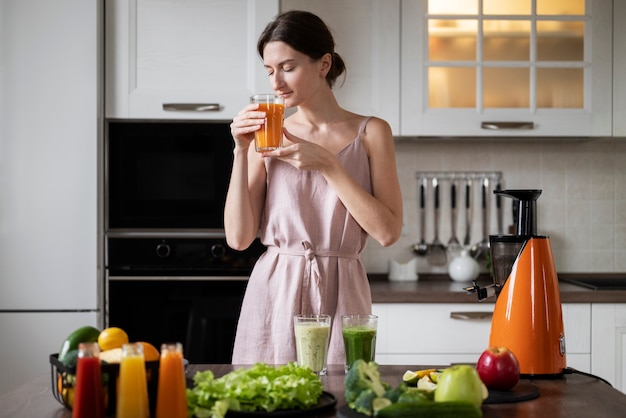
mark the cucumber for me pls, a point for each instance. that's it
(86, 334)
(430, 410)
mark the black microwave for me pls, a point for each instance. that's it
(166, 175)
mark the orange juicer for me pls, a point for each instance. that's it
(527, 317)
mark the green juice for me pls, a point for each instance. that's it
(360, 343)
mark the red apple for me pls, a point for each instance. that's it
(498, 368)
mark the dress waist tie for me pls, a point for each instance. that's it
(312, 277)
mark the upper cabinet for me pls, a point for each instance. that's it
(168, 59)
(518, 68)
(619, 68)
(367, 36)
(506, 68)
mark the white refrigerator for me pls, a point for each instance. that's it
(49, 107)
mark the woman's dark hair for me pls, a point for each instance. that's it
(306, 33)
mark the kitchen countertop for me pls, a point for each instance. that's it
(572, 396)
(439, 288)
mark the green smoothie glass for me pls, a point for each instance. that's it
(359, 337)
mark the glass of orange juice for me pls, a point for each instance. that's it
(270, 136)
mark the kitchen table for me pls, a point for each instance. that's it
(573, 395)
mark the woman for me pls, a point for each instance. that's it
(314, 201)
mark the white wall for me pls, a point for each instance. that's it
(582, 207)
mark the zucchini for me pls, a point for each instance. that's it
(86, 334)
(430, 410)
(70, 359)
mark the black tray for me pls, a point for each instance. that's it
(523, 391)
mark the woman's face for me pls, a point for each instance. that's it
(294, 75)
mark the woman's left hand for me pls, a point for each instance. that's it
(302, 154)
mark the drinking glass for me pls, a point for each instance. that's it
(359, 337)
(270, 136)
(312, 337)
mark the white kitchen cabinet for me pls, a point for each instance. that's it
(367, 37)
(192, 59)
(547, 74)
(619, 69)
(425, 334)
(50, 54)
(608, 343)
(441, 334)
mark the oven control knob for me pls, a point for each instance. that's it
(218, 250)
(163, 250)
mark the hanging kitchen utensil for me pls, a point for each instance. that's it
(480, 250)
(436, 250)
(499, 218)
(421, 248)
(454, 246)
(468, 212)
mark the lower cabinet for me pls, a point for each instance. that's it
(608, 343)
(427, 334)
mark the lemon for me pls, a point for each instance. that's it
(425, 372)
(410, 377)
(112, 337)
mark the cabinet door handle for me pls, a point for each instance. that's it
(191, 107)
(471, 315)
(507, 125)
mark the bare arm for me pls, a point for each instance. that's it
(246, 192)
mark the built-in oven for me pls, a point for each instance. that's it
(169, 273)
(166, 174)
(181, 289)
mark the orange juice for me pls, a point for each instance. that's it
(171, 394)
(270, 135)
(132, 398)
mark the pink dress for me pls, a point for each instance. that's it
(312, 262)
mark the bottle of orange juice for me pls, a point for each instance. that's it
(132, 398)
(171, 393)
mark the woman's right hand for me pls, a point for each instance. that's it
(245, 124)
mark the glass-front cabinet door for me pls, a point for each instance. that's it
(506, 68)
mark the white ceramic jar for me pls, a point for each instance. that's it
(463, 268)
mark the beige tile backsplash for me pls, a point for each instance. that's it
(582, 207)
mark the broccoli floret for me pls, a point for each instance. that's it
(394, 393)
(363, 402)
(363, 376)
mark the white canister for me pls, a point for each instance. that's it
(463, 268)
(403, 271)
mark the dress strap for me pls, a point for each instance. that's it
(363, 125)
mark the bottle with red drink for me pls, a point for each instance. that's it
(88, 392)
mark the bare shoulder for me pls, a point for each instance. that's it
(377, 134)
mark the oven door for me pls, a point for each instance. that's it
(187, 290)
(166, 175)
(200, 313)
